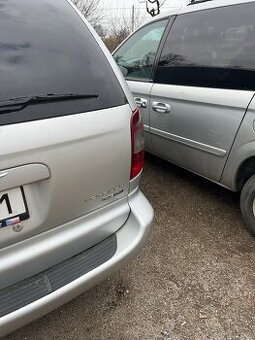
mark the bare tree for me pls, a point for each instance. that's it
(120, 29)
(90, 9)
(127, 22)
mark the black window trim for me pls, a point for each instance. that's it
(171, 20)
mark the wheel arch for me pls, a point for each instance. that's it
(245, 171)
(240, 166)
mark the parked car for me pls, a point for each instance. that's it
(71, 151)
(192, 74)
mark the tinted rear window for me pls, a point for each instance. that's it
(211, 48)
(46, 48)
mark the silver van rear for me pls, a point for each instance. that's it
(71, 150)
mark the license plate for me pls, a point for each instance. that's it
(13, 207)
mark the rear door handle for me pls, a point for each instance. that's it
(22, 175)
(161, 107)
(141, 102)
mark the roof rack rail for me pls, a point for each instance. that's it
(195, 2)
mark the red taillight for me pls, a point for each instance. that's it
(137, 138)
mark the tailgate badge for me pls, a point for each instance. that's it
(106, 195)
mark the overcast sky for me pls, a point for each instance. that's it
(129, 3)
(115, 8)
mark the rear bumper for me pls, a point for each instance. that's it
(130, 239)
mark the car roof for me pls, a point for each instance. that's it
(199, 5)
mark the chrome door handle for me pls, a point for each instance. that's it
(141, 102)
(161, 107)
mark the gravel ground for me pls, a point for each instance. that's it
(194, 280)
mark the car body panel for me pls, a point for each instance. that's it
(130, 238)
(85, 182)
(243, 149)
(45, 250)
(200, 128)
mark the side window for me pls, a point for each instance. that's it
(136, 56)
(211, 48)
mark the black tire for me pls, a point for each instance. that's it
(247, 200)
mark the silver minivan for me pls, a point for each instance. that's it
(71, 157)
(192, 74)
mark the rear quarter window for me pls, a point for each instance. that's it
(45, 48)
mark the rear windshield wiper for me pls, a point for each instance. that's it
(17, 104)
